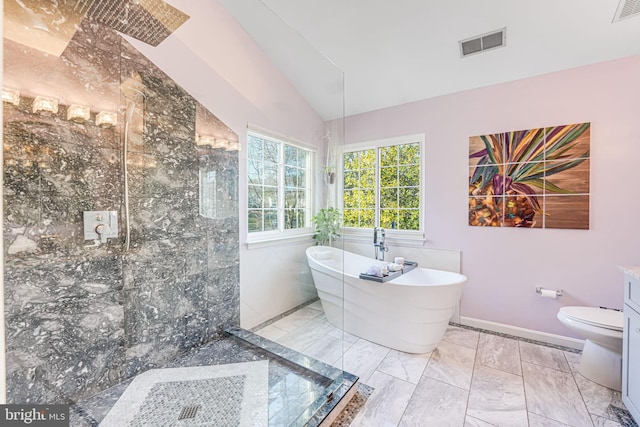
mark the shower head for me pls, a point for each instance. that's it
(132, 86)
(150, 21)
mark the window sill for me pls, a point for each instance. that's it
(265, 242)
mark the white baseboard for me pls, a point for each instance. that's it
(523, 333)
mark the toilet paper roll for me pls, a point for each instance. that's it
(548, 293)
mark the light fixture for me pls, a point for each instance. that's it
(78, 113)
(205, 140)
(233, 146)
(106, 119)
(43, 104)
(11, 96)
(221, 143)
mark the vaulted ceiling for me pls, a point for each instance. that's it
(394, 52)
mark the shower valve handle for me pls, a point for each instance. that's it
(100, 231)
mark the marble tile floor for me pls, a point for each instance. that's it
(474, 378)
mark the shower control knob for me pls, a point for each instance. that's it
(100, 225)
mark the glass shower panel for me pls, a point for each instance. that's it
(314, 76)
(94, 125)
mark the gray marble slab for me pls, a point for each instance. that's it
(435, 403)
(544, 356)
(499, 353)
(387, 402)
(82, 316)
(452, 364)
(497, 397)
(554, 394)
(405, 366)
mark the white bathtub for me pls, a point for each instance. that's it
(409, 313)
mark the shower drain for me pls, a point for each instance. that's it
(188, 411)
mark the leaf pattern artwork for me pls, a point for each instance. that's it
(531, 178)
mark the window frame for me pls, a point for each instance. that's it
(358, 234)
(265, 238)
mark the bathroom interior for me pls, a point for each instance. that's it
(135, 257)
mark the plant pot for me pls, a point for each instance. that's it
(329, 177)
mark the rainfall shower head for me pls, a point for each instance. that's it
(150, 21)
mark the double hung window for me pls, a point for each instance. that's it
(279, 186)
(382, 184)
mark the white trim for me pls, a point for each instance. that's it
(260, 131)
(275, 241)
(397, 237)
(261, 237)
(523, 333)
(408, 237)
(385, 142)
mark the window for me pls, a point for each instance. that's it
(279, 188)
(382, 184)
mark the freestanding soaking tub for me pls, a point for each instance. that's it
(409, 313)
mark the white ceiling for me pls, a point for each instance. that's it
(396, 52)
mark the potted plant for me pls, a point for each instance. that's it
(329, 174)
(327, 222)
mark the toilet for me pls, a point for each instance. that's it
(601, 360)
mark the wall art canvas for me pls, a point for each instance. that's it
(535, 178)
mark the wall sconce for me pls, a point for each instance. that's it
(43, 104)
(78, 113)
(106, 119)
(221, 143)
(205, 140)
(11, 96)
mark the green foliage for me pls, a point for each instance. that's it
(399, 187)
(327, 223)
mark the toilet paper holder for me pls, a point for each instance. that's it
(539, 289)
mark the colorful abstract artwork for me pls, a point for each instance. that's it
(536, 178)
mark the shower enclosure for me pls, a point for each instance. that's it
(92, 125)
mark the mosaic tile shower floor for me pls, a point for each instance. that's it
(231, 394)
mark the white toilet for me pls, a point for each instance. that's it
(601, 359)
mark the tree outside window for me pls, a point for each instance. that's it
(395, 202)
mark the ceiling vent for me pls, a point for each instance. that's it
(627, 9)
(483, 42)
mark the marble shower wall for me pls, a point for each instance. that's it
(81, 317)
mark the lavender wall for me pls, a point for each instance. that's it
(505, 265)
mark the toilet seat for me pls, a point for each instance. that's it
(599, 317)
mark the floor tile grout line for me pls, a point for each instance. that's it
(473, 370)
(524, 388)
(573, 377)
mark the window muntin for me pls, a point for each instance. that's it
(279, 189)
(359, 199)
(393, 204)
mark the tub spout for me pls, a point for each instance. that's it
(379, 243)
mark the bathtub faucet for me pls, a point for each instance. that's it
(378, 243)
